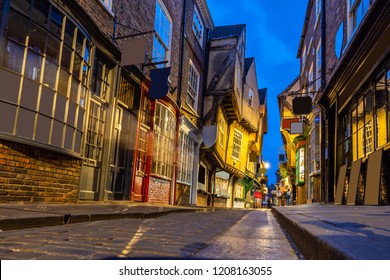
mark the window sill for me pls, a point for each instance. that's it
(108, 11)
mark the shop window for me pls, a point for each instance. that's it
(239, 192)
(381, 111)
(221, 186)
(145, 116)
(41, 39)
(186, 158)
(368, 125)
(126, 91)
(101, 76)
(164, 141)
(142, 151)
(354, 134)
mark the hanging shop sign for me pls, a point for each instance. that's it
(302, 105)
(300, 165)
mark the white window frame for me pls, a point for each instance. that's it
(107, 4)
(221, 132)
(318, 13)
(161, 44)
(198, 26)
(193, 86)
(311, 79)
(250, 98)
(303, 58)
(186, 158)
(354, 8)
(237, 144)
(318, 66)
(164, 142)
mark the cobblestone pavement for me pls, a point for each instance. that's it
(177, 235)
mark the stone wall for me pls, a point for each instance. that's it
(29, 174)
(183, 195)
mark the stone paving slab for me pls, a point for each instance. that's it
(18, 216)
(338, 231)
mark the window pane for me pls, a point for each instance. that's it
(53, 45)
(380, 93)
(49, 77)
(56, 22)
(381, 123)
(40, 12)
(33, 65)
(77, 66)
(63, 82)
(69, 33)
(66, 57)
(17, 26)
(22, 5)
(13, 56)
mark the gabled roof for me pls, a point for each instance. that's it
(227, 31)
(248, 63)
(262, 95)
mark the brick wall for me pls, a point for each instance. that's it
(335, 15)
(29, 174)
(101, 16)
(159, 191)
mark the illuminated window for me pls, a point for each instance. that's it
(162, 36)
(164, 141)
(237, 143)
(221, 132)
(186, 158)
(381, 111)
(221, 186)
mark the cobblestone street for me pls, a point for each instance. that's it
(204, 235)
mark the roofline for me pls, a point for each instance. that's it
(305, 24)
(202, 4)
(291, 84)
(232, 35)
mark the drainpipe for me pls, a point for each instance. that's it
(323, 82)
(181, 63)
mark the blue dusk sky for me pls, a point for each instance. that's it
(274, 29)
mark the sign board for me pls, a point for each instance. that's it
(300, 165)
(302, 105)
(296, 128)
